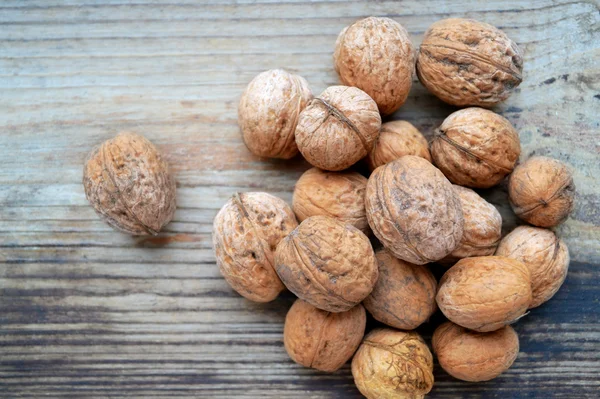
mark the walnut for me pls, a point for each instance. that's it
(392, 364)
(541, 191)
(129, 185)
(377, 56)
(268, 113)
(320, 339)
(404, 295)
(339, 195)
(475, 147)
(485, 293)
(413, 210)
(327, 263)
(338, 128)
(546, 256)
(396, 139)
(465, 62)
(474, 356)
(246, 232)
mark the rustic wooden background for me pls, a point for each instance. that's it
(89, 312)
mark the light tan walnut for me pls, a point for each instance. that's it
(396, 139)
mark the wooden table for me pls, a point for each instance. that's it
(89, 312)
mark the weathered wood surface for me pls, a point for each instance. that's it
(88, 312)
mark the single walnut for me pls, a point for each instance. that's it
(245, 233)
(320, 339)
(475, 147)
(413, 210)
(327, 263)
(475, 356)
(339, 195)
(485, 293)
(396, 139)
(268, 113)
(465, 62)
(546, 256)
(338, 128)
(392, 364)
(129, 185)
(541, 191)
(404, 295)
(376, 55)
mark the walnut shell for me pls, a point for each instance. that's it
(392, 364)
(320, 339)
(485, 293)
(404, 295)
(377, 56)
(246, 232)
(268, 113)
(396, 139)
(413, 210)
(129, 185)
(546, 256)
(465, 62)
(338, 128)
(541, 191)
(339, 195)
(474, 356)
(475, 147)
(327, 263)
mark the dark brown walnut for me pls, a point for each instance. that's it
(485, 293)
(413, 210)
(541, 191)
(338, 128)
(392, 364)
(320, 339)
(129, 185)
(475, 147)
(268, 113)
(327, 263)
(396, 139)
(340, 195)
(404, 295)
(546, 256)
(475, 356)
(377, 56)
(469, 63)
(246, 232)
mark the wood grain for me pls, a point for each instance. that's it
(89, 312)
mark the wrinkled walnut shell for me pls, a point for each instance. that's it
(469, 63)
(397, 139)
(541, 191)
(246, 232)
(327, 263)
(475, 147)
(129, 185)
(320, 339)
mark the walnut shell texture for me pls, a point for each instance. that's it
(413, 210)
(396, 139)
(393, 364)
(469, 63)
(485, 293)
(327, 263)
(474, 356)
(541, 191)
(246, 232)
(129, 185)
(546, 256)
(475, 147)
(404, 295)
(268, 113)
(338, 128)
(377, 56)
(323, 340)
